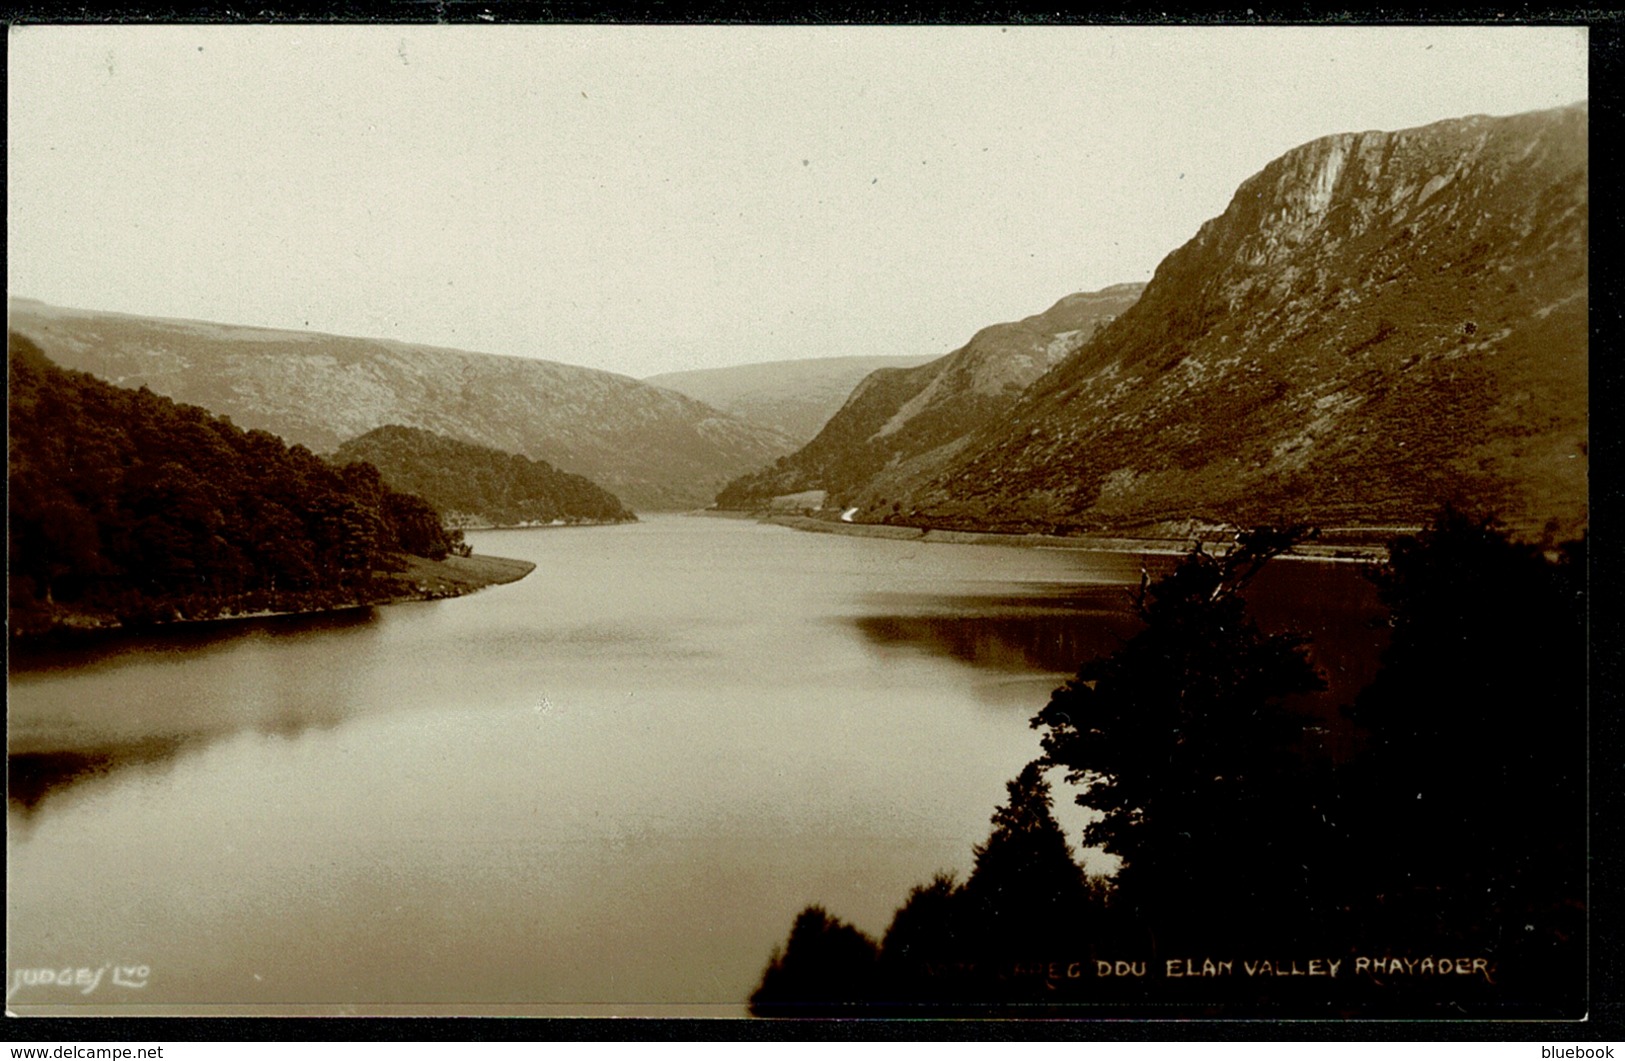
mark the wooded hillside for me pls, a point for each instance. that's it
(126, 507)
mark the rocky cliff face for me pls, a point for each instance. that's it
(1379, 323)
(652, 447)
(899, 421)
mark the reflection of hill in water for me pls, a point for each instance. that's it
(88, 649)
(1024, 634)
(35, 771)
(1044, 631)
(31, 777)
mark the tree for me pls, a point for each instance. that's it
(1468, 805)
(128, 507)
(826, 968)
(1026, 892)
(418, 528)
(1026, 903)
(1183, 747)
(926, 954)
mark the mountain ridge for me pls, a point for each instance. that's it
(655, 448)
(795, 397)
(1378, 323)
(901, 417)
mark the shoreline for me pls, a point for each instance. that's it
(543, 526)
(421, 580)
(456, 576)
(1311, 551)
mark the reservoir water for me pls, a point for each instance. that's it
(607, 788)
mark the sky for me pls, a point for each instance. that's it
(653, 199)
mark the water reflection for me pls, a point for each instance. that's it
(1049, 633)
(89, 650)
(60, 743)
(31, 776)
(612, 783)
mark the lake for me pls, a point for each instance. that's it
(605, 789)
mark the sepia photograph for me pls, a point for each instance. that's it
(777, 522)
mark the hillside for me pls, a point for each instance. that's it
(653, 448)
(898, 419)
(478, 486)
(128, 508)
(1379, 323)
(796, 398)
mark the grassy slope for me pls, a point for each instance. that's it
(457, 575)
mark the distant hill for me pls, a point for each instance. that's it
(1379, 323)
(126, 507)
(796, 398)
(898, 417)
(654, 448)
(475, 485)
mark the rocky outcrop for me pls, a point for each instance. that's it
(1378, 324)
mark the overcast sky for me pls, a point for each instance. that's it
(651, 199)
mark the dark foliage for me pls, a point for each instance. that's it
(1468, 807)
(1027, 906)
(1457, 833)
(927, 938)
(1025, 894)
(126, 507)
(479, 483)
(1182, 745)
(825, 969)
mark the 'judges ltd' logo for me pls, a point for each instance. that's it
(81, 978)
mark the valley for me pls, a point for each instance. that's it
(653, 448)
